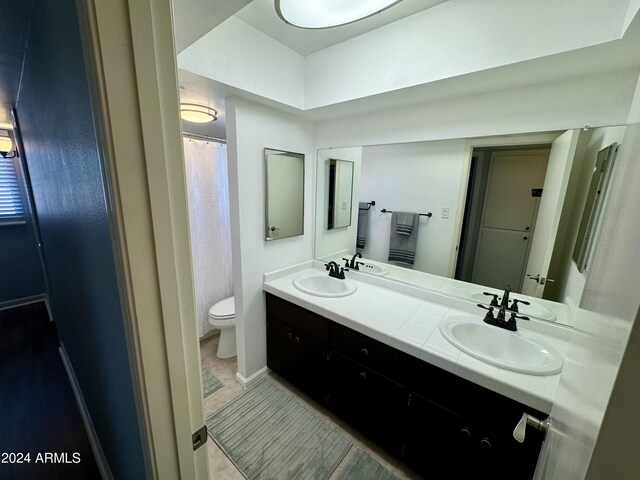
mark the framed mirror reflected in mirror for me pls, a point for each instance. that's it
(340, 185)
(593, 206)
(284, 194)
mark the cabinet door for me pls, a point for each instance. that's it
(311, 367)
(280, 348)
(370, 402)
(439, 444)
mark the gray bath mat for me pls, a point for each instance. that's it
(362, 467)
(267, 434)
(210, 382)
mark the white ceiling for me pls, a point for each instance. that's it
(261, 15)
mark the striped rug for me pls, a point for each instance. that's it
(362, 467)
(210, 382)
(267, 434)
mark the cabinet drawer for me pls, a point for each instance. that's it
(302, 320)
(385, 360)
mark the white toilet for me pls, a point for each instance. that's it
(223, 316)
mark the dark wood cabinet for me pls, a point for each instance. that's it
(297, 347)
(370, 402)
(440, 424)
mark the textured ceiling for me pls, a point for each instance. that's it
(14, 31)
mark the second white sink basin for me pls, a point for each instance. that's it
(505, 349)
(322, 285)
(373, 269)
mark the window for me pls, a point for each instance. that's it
(11, 208)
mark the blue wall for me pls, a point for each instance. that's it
(61, 150)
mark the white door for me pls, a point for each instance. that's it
(563, 151)
(508, 216)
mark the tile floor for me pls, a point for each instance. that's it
(221, 468)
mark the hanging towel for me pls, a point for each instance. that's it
(402, 247)
(404, 225)
(361, 237)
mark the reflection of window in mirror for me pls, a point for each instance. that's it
(284, 194)
(588, 231)
(340, 186)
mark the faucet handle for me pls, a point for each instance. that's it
(514, 305)
(494, 300)
(520, 317)
(489, 314)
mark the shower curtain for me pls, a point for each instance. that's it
(209, 226)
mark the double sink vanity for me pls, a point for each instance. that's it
(414, 369)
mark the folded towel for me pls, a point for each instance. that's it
(402, 247)
(404, 226)
(361, 236)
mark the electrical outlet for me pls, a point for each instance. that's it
(344, 204)
(445, 212)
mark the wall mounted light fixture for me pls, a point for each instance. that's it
(328, 13)
(192, 112)
(6, 144)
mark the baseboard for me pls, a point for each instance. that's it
(253, 379)
(18, 302)
(103, 466)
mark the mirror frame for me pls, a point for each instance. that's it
(272, 151)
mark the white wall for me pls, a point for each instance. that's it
(456, 38)
(570, 282)
(210, 231)
(251, 128)
(634, 111)
(417, 177)
(338, 239)
(595, 100)
(596, 434)
(237, 54)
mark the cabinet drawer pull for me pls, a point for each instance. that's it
(289, 335)
(364, 352)
(297, 339)
(465, 433)
(363, 376)
(485, 443)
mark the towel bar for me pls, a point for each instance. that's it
(429, 214)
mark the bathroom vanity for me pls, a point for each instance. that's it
(409, 397)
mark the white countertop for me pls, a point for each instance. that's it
(408, 318)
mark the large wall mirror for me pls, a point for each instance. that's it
(481, 212)
(284, 194)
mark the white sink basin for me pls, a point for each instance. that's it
(373, 269)
(533, 310)
(516, 351)
(322, 285)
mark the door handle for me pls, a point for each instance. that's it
(521, 427)
(273, 228)
(540, 279)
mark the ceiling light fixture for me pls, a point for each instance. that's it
(6, 144)
(192, 112)
(328, 13)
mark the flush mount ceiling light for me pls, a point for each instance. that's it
(192, 112)
(328, 13)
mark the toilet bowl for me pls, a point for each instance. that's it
(223, 316)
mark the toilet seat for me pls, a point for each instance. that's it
(223, 310)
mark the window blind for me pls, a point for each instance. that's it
(10, 199)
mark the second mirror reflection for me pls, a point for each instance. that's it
(340, 192)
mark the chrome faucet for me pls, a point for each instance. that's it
(335, 270)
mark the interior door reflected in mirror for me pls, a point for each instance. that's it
(284, 194)
(340, 184)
